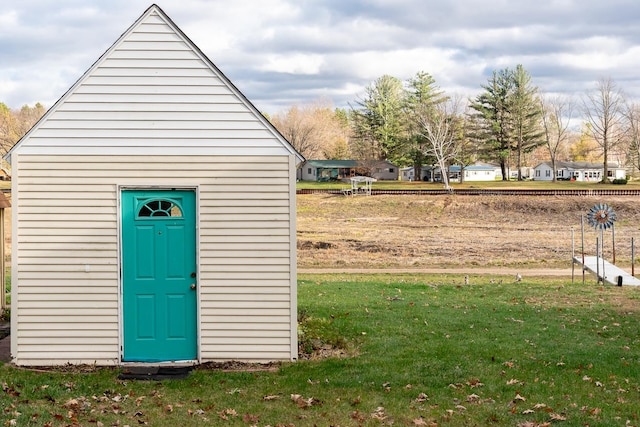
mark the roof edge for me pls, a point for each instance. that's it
(155, 8)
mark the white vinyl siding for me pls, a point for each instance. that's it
(152, 93)
(66, 258)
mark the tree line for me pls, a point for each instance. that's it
(15, 123)
(510, 123)
(415, 123)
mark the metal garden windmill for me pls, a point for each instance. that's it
(602, 217)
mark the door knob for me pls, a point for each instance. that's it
(193, 286)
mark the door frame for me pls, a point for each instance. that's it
(130, 187)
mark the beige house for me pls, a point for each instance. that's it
(153, 216)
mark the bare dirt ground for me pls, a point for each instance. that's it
(455, 232)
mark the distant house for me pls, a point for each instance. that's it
(577, 171)
(335, 170)
(408, 173)
(476, 172)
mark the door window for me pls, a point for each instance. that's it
(162, 208)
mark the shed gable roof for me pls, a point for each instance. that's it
(154, 92)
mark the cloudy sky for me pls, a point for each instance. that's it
(285, 52)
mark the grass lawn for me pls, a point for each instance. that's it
(424, 351)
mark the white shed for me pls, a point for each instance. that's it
(153, 216)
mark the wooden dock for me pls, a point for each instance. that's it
(606, 271)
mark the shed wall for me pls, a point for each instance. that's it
(66, 286)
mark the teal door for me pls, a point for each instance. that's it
(159, 275)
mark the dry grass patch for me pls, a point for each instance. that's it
(451, 231)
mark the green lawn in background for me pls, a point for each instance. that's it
(424, 350)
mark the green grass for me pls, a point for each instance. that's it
(426, 350)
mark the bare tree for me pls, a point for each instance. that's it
(312, 129)
(14, 124)
(557, 113)
(441, 127)
(603, 111)
(632, 116)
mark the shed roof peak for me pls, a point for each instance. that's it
(154, 16)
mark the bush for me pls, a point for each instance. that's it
(620, 181)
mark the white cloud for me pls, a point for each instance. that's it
(294, 64)
(8, 20)
(278, 51)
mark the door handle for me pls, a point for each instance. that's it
(193, 286)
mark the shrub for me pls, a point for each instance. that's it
(620, 181)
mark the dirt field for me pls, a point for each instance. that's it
(455, 231)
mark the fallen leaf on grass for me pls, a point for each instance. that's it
(271, 397)
(379, 414)
(71, 404)
(304, 403)
(472, 398)
(225, 414)
(358, 416)
(474, 382)
(250, 419)
(518, 397)
(422, 397)
(419, 422)
(10, 390)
